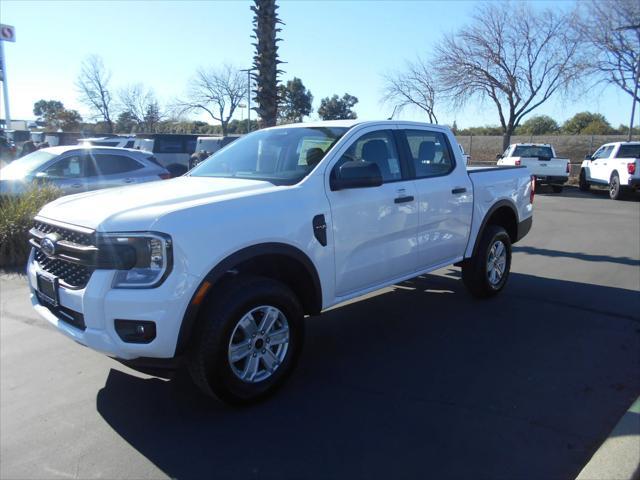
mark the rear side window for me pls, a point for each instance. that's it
(129, 144)
(628, 151)
(429, 153)
(108, 164)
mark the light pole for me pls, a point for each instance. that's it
(248, 70)
(635, 88)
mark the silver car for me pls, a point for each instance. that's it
(76, 169)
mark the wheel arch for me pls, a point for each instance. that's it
(504, 214)
(279, 261)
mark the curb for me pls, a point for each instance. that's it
(619, 456)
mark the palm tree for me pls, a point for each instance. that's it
(265, 60)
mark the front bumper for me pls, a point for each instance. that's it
(100, 305)
(551, 179)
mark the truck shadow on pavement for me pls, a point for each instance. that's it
(420, 381)
(597, 193)
(577, 255)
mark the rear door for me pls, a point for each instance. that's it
(374, 228)
(445, 196)
(113, 170)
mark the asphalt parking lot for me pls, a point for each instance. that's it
(416, 381)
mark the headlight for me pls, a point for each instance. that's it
(151, 262)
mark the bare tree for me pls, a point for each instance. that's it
(93, 85)
(413, 87)
(512, 55)
(613, 30)
(141, 105)
(217, 92)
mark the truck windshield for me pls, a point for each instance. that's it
(628, 151)
(282, 156)
(534, 151)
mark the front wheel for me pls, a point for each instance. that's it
(485, 274)
(248, 341)
(583, 184)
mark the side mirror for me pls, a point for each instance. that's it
(499, 156)
(355, 174)
(588, 157)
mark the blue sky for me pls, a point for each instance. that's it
(333, 46)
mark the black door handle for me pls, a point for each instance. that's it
(456, 191)
(406, 199)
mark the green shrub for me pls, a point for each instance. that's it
(16, 218)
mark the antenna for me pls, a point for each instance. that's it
(393, 113)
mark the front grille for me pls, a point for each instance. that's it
(66, 233)
(73, 318)
(74, 275)
(70, 274)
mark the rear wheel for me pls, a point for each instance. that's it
(556, 188)
(583, 184)
(615, 189)
(249, 340)
(485, 274)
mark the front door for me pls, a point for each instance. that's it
(374, 228)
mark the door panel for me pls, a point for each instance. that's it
(375, 239)
(374, 228)
(445, 197)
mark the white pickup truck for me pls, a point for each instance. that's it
(219, 267)
(616, 165)
(541, 160)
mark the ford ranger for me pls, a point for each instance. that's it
(541, 160)
(219, 267)
(616, 165)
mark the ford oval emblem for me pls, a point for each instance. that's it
(48, 245)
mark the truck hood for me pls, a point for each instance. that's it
(138, 207)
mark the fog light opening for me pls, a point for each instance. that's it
(136, 331)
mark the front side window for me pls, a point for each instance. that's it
(603, 152)
(379, 148)
(282, 156)
(429, 153)
(68, 167)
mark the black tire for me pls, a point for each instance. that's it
(208, 358)
(475, 272)
(176, 170)
(556, 188)
(615, 189)
(583, 184)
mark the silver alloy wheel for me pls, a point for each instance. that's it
(496, 262)
(614, 184)
(258, 344)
